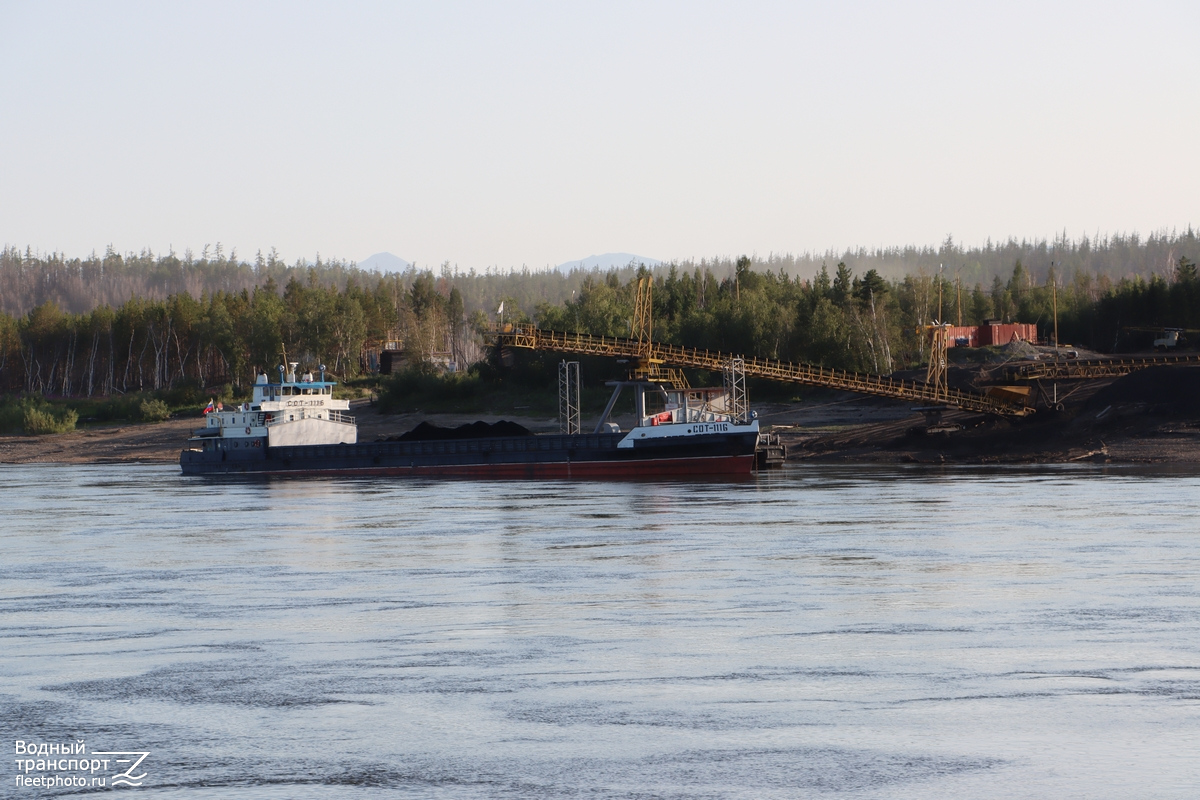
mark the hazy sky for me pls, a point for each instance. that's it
(508, 133)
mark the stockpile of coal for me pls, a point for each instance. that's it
(1174, 391)
(1019, 350)
(476, 430)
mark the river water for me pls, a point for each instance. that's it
(850, 632)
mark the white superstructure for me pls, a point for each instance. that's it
(665, 413)
(291, 412)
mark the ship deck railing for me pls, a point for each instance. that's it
(333, 416)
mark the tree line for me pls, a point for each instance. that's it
(339, 316)
(76, 285)
(146, 345)
(868, 323)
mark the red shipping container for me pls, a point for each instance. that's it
(983, 335)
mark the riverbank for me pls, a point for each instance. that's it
(161, 442)
(1152, 416)
(1149, 417)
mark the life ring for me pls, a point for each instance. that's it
(247, 431)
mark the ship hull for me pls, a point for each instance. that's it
(526, 457)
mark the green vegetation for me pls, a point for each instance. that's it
(203, 328)
(154, 411)
(423, 388)
(79, 285)
(34, 416)
(528, 389)
(43, 420)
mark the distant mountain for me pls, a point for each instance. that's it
(384, 262)
(608, 261)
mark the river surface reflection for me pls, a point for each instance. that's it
(816, 632)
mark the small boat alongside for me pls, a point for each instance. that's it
(296, 427)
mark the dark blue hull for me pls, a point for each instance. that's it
(544, 456)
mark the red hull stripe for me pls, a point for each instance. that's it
(660, 467)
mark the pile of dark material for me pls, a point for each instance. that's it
(1174, 391)
(476, 430)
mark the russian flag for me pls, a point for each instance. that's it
(208, 408)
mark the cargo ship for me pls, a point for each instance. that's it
(297, 427)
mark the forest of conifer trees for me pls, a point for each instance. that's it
(144, 323)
